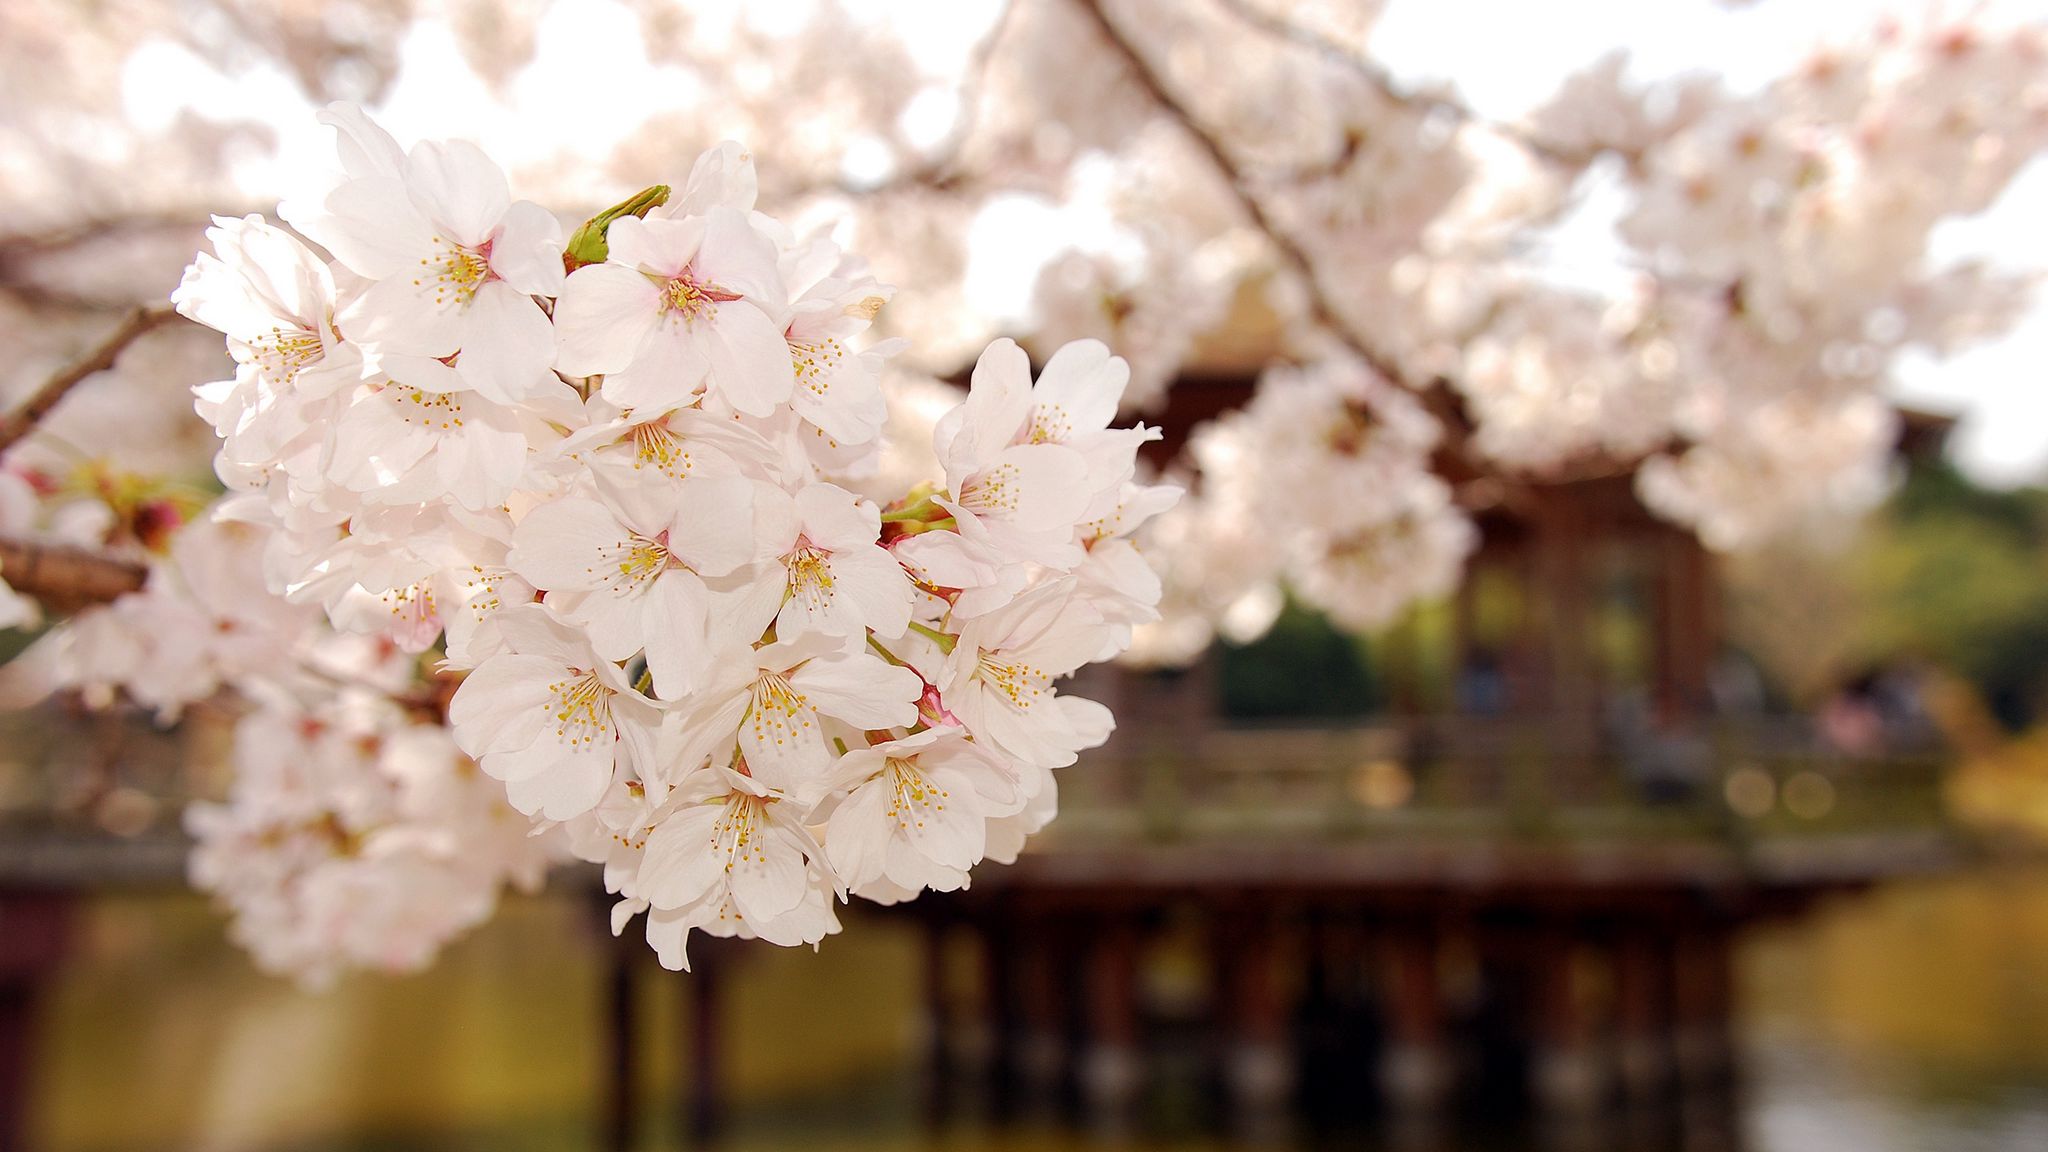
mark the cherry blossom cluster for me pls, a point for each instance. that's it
(1322, 482)
(1234, 182)
(610, 478)
(356, 836)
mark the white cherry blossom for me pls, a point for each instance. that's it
(551, 718)
(677, 305)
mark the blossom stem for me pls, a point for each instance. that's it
(914, 527)
(917, 511)
(944, 641)
(884, 653)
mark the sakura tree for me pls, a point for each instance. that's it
(737, 591)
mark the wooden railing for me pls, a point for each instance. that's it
(1496, 776)
(97, 797)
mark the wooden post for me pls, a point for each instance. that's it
(703, 1097)
(17, 1057)
(997, 943)
(1564, 1076)
(1415, 1070)
(1705, 1004)
(1258, 1059)
(1111, 1071)
(35, 933)
(1683, 638)
(939, 1078)
(1561, 547)
(1643, 987)
(620, 1119)
(1040, 1059)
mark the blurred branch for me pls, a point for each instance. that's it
(64, 577)
(1289, 248)
(23, 420)
(1381, 81)
(942, 170)
(18, 246)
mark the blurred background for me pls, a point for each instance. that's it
(1660, 822)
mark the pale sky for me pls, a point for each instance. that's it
(1524, 51)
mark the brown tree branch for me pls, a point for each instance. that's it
(1284, 242)
(23, 420)
(64, 577)
(1381, 81)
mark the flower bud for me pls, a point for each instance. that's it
(588, 246)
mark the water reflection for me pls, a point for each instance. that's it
(1906, 1020)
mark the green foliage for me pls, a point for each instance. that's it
(1303, 669)
(1958, 574)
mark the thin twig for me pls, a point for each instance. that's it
(64, 577)
(23, 420)
(1284, 242)
(1383, 82)
(943, 168)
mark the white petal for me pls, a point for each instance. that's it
(1078, 390)
(527, 251)
(560, 545)
(567, 791)
(663, 247)
(458, 188)
(503, 704)
(858, 833)
(678, 649)
(834, 518)
(666, 371)
(863, 690)
(507, 344)
(605, 312)
(768, 877)
(371, 226)
(750, 364)
(679, 868)
(739, 259)
(714, 524)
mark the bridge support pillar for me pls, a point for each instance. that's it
(1112, 1070)
(1643, 988)
(1415, 1069)
(1040, 1059)
(35, 931)
(1704, 995)
(1565, 1073)
(1258, 1060)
